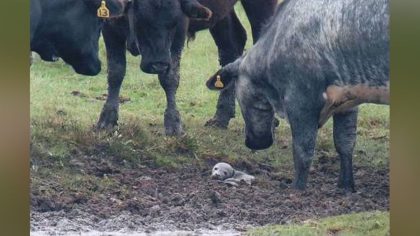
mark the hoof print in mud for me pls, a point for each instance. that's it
(215, 197)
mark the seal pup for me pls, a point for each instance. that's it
(225, 172)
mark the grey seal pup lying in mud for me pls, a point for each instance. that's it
(225, 172)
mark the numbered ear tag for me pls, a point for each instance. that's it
(103, 11)
(218, 83)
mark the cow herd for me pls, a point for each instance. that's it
(311, 60)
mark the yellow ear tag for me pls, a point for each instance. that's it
(218, 83)
(103, 11)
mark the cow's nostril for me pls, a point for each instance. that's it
(160, 67)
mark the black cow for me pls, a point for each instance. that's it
(158, 29)
(316, 59)
(70, 29)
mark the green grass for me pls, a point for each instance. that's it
(51, 99)
(366, 224)
(61, 124)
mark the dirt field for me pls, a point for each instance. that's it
(147, 199)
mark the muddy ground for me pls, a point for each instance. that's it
(147, 199)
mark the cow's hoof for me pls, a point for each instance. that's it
(218, 123)
(174, 131)
(173, 124)
(347, 188)
(99, 127)
(104, 126)
(299, 186)
(107, 121)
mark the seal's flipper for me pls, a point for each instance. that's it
(241, 176)
(231, 181)
(248, 179)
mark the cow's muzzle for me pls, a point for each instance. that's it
(258, 143)
(155, 68)
(91, 68)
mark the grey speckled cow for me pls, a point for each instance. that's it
(315, 59)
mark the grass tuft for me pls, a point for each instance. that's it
(366, 223)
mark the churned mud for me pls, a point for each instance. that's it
(146, 199)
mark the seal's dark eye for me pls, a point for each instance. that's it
(215, 168)
(224, 172)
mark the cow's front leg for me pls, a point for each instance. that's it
(230, 38)
(115, 48)
(169, 82)
(109, 114)
(258, 13)
(345, 127)
(304, 127)
(225, 109)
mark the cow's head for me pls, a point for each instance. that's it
(82, 49)
(155, 23)
(73, 30)
(256, 110)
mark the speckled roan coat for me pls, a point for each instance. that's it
(308, 49)
(157, 29)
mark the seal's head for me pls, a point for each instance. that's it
(222, 171)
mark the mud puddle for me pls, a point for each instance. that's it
(127, 224)
(204, 232)
(146, 201)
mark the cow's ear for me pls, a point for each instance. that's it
(193, 9)
(224, 77)
(219, 81)
(116, 7)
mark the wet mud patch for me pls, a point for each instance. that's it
(146, 199)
